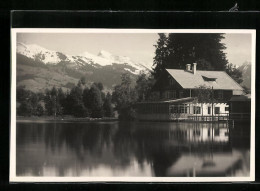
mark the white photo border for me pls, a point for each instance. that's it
(12, 173)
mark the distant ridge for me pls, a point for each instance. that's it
(39, 68)
(103, 58)
(245, 68)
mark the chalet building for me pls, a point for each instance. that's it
(177, 96)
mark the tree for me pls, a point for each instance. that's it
(39, 110)
(48, 101)
(29, 102)
(143, 86)
(95, 102)
(246, 90)
(74, 103)
(33, 99)
(22, 94)
(25, 109)
(180, 49)
(204, 94)
(234, 73)
(85, 97)
(61, 101)
(99, 85)
(107, 106)
(124, 97)
(161, 54)
(54, 101)
(83, 80)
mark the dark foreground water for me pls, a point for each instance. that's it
(132, 149)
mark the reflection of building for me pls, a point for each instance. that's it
(218, 164)
(200, 134)
(178, 93)
(208, 134)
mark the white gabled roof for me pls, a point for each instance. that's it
(188, 80)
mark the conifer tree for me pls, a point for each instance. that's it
(95, 101)
(143, 86)
(107, 106)
(161, 54)
(179, 49)
(235, 73)
(76, 102)
(124, 97)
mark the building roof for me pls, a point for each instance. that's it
(216, 79)
(177, 101)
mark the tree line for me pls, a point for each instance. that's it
(82, 101)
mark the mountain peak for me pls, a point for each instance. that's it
(103, 58)
(105, 54)
(86, 54)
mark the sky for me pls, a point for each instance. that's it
(137, 46)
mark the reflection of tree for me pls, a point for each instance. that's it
(88, 145)
(146, 145)
(78, 138)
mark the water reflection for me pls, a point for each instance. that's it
(132, 149)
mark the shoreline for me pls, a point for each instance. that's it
(63, 119)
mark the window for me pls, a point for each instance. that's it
(209, 110)
(226, 108)
(178, 109)
(196, 110)
(220, 94)
(174, 109)
(205, 78)
(183, 109)
(217, 110)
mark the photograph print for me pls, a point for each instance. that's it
(132, 105)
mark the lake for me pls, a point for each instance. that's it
(161, 149)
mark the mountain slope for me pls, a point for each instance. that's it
(103, 58)
(245, 68)
(39, 68)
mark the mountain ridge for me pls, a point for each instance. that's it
(245, 68)
(39, 68)
(103, 58)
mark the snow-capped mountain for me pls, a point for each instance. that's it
(39, 68)
(37, 52)
(103, 58)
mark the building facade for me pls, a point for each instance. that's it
(190, 94)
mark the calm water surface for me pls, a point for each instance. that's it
(132, 149)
